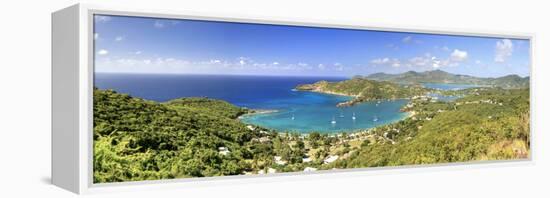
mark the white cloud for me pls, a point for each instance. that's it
(239, 65)
(338, 67)
(101, 18)
(244, 60)
(275, 63)
(503, 50)
(442, 48)
(392, 46)
(102, 52)
(380, 61)
(165, 23)
(459, 56)
(119, 38)
(158, 24)
(96, 36)
(321, 67)
(426, 61)
(411, 40)
(396, 64)
(420, 61)
(407, 39)
(137, 52)
(437, 63)
(386, 61)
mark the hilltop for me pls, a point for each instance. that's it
(440, 76)
(137, 139)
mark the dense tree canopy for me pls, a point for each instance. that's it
(492, 124)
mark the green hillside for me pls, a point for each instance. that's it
(439, 76)
(364, 89)
(207, 106)
(490, 125)
(135, 139)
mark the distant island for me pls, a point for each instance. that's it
(440, 76)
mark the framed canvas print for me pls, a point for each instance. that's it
(160, 97)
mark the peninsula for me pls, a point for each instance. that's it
(362, 89)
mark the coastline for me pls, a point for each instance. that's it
(332, 93)
(406, 115)
(258, 112)
(354, 98)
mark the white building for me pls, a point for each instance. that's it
(223, 150)
(330, 159)
(279, 161)
(271, 170)
(310, 169)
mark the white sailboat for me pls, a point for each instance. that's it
(375, 119)
(333, 120)
(341, 114)
(292, 117)
(353, 116)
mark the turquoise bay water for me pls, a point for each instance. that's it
(309, 112)
(445, 87)
(297, 111)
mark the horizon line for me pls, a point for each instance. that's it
(283, 75)
(206, 74)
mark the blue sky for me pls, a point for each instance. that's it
(152, 45)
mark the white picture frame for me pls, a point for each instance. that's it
(72, 85)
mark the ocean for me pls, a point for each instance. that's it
(296, 111)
